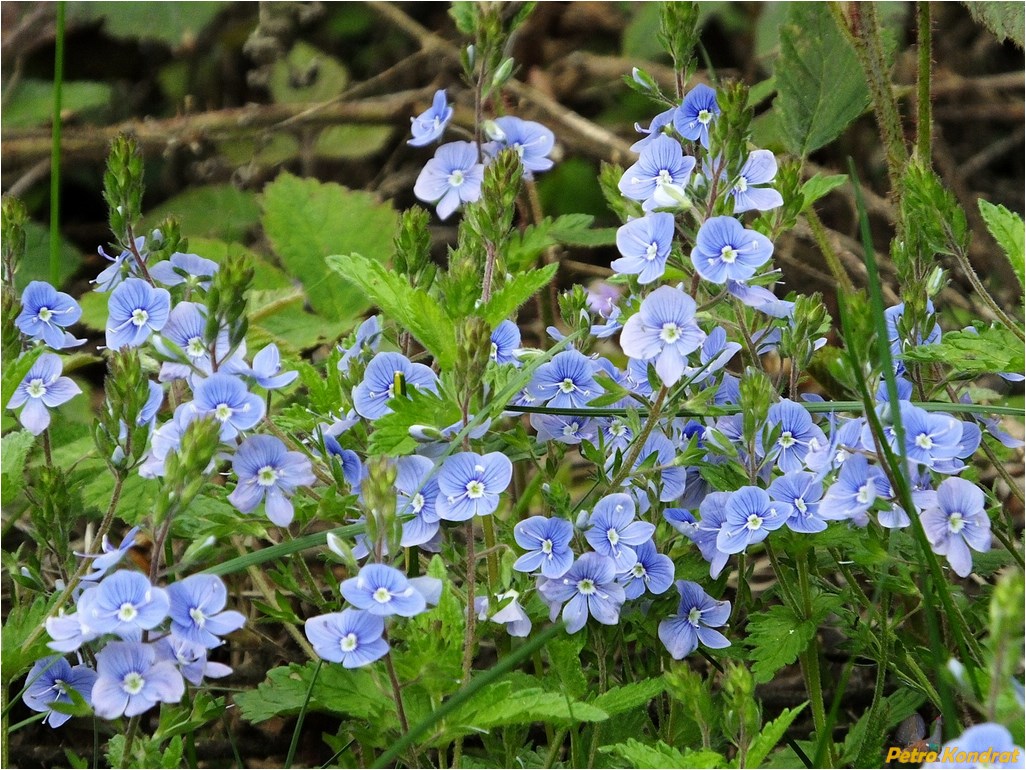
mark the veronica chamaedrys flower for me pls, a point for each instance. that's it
(957, 522)
(266, 369)
(505, 342)
(652, 572)
(431, 123)
(227, 399)
(704, 531)
(186, 330)
(856, 488)
(190, 659)
(109, 556)
(612, 530)
(698, 616)
(197, 610)
(931, 438)
(749, 516)
(269, 473)
(644, 245)
(124, 265)
(135, 310)
(760, 168)
(45, 312)
(512, 614)
(50, 680)
(350, 637)
(765, 301)
(655, 129)
(697, 112)
(368, 338)
(985, 745)
(370, 397)
(565, 382)
(124, 604)
(383, 590)
(659, 176)
(547, 542)
(450, 178)
(663, 331)
(531, 141)
(588, 588)
(799, 435)
(469, 485)
(415, 493)
(42, 389)
(802, 491)
(564, 428)
(726, 249)
(670, 482)
(190, 269)
(130, 680)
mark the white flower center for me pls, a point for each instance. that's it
(495, 352)
(651, 251)
(198, 617)
(59, 686)
(456, 178)
(787, 439)
(618, 429)
(44, 314)
(664, 178)
(670, 332)
(613, 536)
(570, 429)
(694, 616)
(475, 489)
(638, 570)
(133, 683)
(140, 317)
(223, 412)
(417, 503)
(704, 116)
(586, 586)
(742, 185)
(267, 476)
(866, 493)
(923, 441)
(956, 523)
(348, 642)
(36, 388)
(382, 595)
(567, 386)
(546, 547)
(754, 522)
(800, 505)
(127, 612)
(728, 255)
(195, 347)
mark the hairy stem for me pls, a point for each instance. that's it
(924, 115)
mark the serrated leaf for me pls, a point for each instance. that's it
(21, 623)
(776, 637)
(565, 654)
(515, 292)
(14, 449)
(820, 85)
(391, 434)
(617, 700)
(819, 185)
(1007, 229)
(659, 755)
(504, 704)
(306, 220)
(416, 310)
(990, 350)
(572, 229)
(770, 736)
(218, 211)
(1004, 19)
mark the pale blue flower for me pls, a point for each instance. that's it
(652, 572)
(565, 382)
(266, 369)
(698, 616)
(45, 312)
(190, 659)
(42, 389)
(531, 141)
(50, 681)
(416, 492)
(759, 169)
(613, 530)
(191, 269)
(226, 399)
(798, 436)
(589, 588)
(197, 610)
(698, 111)
(450, 178)
(727, 250)
(371, 397)
(124, 604)
(350, 637)
(957, 522)
(505, 342)
(135, 310)
(663, 331)
(547, 542)
(644, 245)
(857, 487)
(383, 590)
(130, 680)
(431, 123)
(469, 485)
(269, 473)
(802, 491)
(749, 516)
(659, 176)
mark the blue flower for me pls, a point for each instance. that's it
(655, 129)
(671, 479)
(725, 249)
(749, 516)
(898, 342)
(589, 588)
(124, 265)
(799, 435)
(266, 368)
(70, 631)
(370, 397)
(383, 590)
(186, 330)
(50, 680)
(765, 301)
(694, 116)
(547, 542)
(469, 485)
(190, 659)
(983, 745)
(416, 492)
(759, 169)
(957, 522)
(653, 571)
(532, 142)
(715, 354)
(565, 382)
(130, 680)
(856, 488)
(505, 342)
(431, 123)
(612, 530)
(269, 473)
(450, 178)
(644, 245)
(166, 439)
(663, 331)
(42, 389)
(512, 615)
(190, 269)
(109, 555)
(801, 490)
(45, 312)
(197, 610)
(351, 637)
(931, 438)
(564, 429)
(227, 400)
(124, 604)
(136, 310)
(698, 616)
(368, 338)
(705, 531)
(659, 176)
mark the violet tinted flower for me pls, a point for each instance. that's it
(136, 310)
(705, 531)
(653, 571)
(589, 588)
(663, 331)
(802, 491)
(166, 439)
(469, 485)
(431, 123)
(42, 389)
(351, 637)
(714, 354)
(512, 615)
(109, 556)
(130, 680)
(266, 369)
(856, 488)
(368, 338)
(190, 659)
(698, 616)
(190, 269)
(45, 312)
(269, 473)
(612, 530)
(124, 604)
(50, 680)
(197, 610)
(644, 245)
(124, 265)
(370, 397)
(416, 492)
(749, 516)
(957, 523)
(186, 330)
(69, 631)
(799, 435)
(726, 249)
(659, 176)
(531, 141)
(655, 129)
(760, 168)
(763, 300)
(983, 745)
(383, 590)
(505, 342)
(564, 429)
(931, 438)
(565, 382)
(669, 484)
(547, 542)
(450, 178)
(227, 400)
(694, 116)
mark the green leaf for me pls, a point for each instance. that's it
(23, 621)
(991, 349)
(14, 449)
(515, 292)
(565, 654)
(219, 211)
(307, 74)
(391, 434)
(819, 185)
(30, 101)
(15, 373)
(169, 22)
(307, 220)
(659, 755)
(776, 637)
(351, 142)
(617, 700)
(504, 704)
(571, 229)
(1004, 19)
(415, 310)
(820, 86)
(1006, 227)
(770, 736)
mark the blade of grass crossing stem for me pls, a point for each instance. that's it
(242, 563)
(302, 716)
(55, 150)
(468, 692)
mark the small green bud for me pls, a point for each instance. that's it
(678, 33)
(12, 236)
(503, 73)
(123, 187)
(412, 244)
(383, 527)
(757, 393)
(741, 716)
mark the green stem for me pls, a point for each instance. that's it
(5, 730)
(488, 524)
(826, 248)
(55, 150)
(810, 661)
(924, 116)
(639, 442)
(294, 744)
(397, 693)
(133, 728)
(963, 262)
(554, 746)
